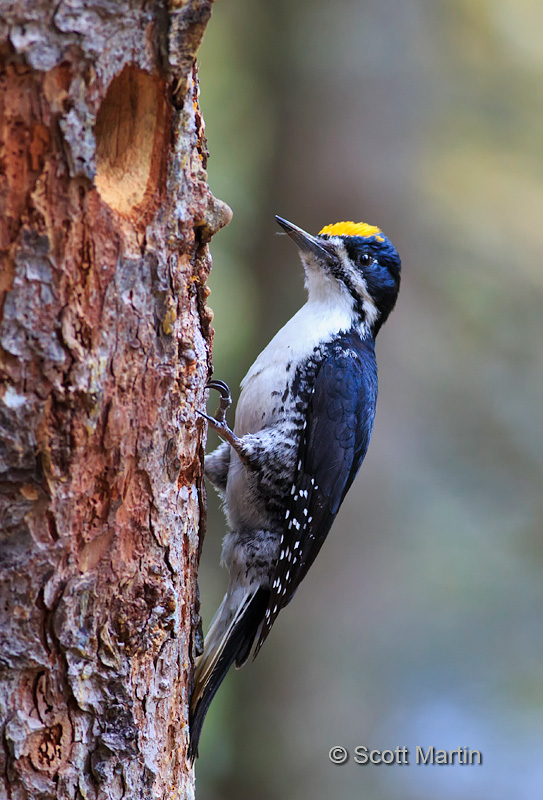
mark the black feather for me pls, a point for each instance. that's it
(237, 649)
(339, 421)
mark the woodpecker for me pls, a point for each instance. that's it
(302, 428)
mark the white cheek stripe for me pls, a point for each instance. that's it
(371, 312)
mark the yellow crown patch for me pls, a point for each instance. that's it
(350, 229)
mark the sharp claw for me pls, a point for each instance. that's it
(225, 401)
(221, 387)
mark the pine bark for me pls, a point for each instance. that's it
(105, 217)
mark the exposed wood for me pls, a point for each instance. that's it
(105, 216)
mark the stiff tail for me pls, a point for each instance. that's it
(223, 647)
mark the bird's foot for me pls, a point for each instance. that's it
(218, 422)
(224, 403)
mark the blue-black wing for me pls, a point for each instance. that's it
(337, 431)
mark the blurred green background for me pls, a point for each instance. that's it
(421, 622)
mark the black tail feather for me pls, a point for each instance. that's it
(236, 649)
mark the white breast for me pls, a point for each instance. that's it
(318, 321)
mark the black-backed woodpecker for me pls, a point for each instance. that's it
(302, 428)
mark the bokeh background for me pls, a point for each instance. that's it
(421, 620)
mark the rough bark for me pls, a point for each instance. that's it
(105, 215)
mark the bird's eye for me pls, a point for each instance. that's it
(365, 260)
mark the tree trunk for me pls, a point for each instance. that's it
(104, 353)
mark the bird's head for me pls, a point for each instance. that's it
(350, 262)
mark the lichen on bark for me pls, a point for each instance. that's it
(105, 342)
